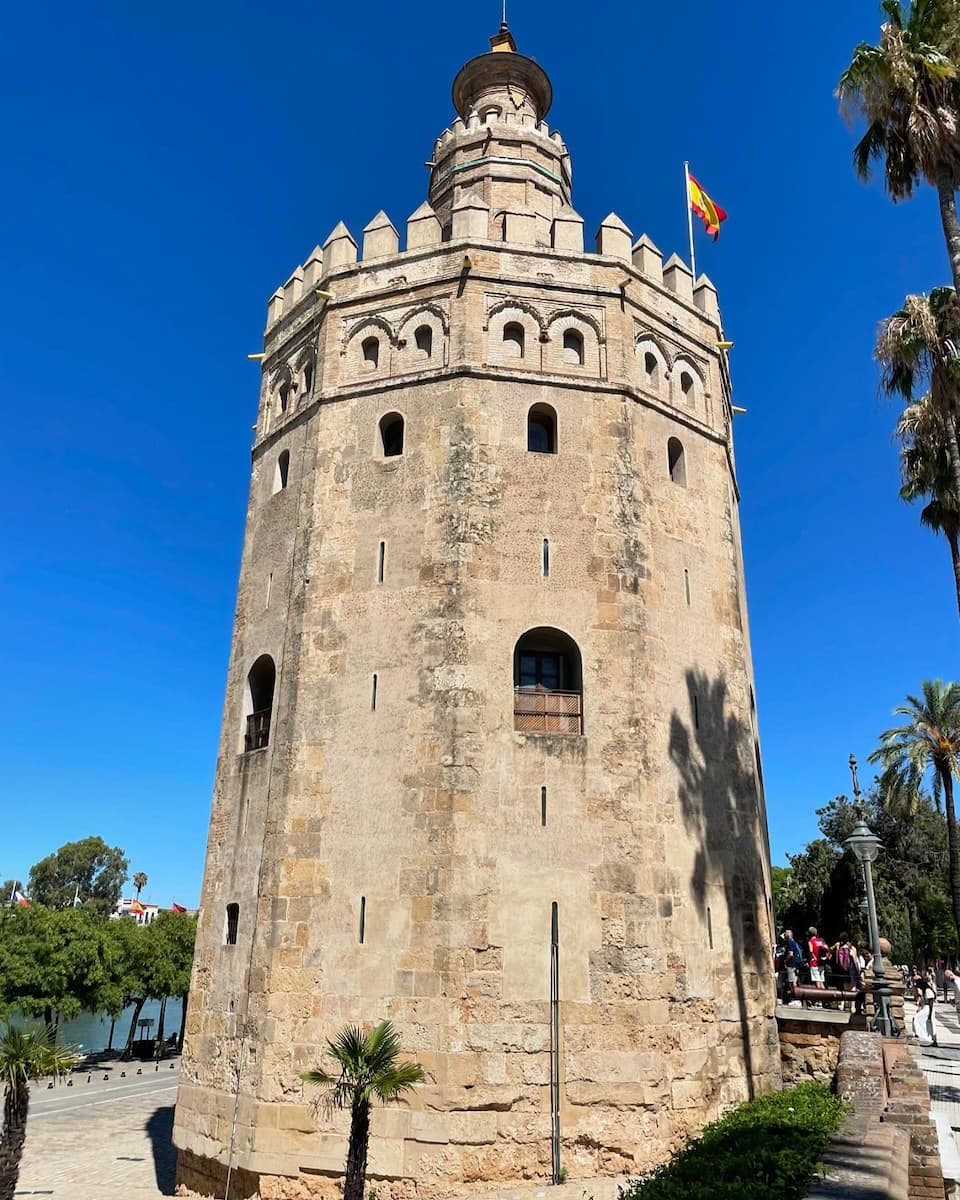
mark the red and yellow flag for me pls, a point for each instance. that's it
(706, 209)
(137, 908)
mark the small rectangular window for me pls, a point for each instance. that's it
(373, 694)
(381, 561)
(546, 558)
(686, 583)
(363, 917)
(709, 928)
(543, 806)
(269, 588)
(233, 920)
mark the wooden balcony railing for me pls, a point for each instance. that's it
(258, 730)
(539, 711)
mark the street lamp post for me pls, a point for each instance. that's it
(865, 845)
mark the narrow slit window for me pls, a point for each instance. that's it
(307, 378)
(686, 584)
(543, 806)
(676, 462)
(546, 558)
(269, 589)
(284, 396)
(282, 472)
(381, 561)
(709, 928)
(363, 918)
(687, 385)
(513, 340)
(573, 347)
(233, 920)
(373, 694)
(696, 711)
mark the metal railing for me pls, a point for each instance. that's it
(258, 730)
(538, 711)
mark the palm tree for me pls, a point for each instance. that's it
(926, 474)
(918, 346)
(23, 1057)
(139, 882)
(368, 1067)
(929, 743)
(907, 89)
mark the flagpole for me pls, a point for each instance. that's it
(693, 257)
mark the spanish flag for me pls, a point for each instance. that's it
(709, 212)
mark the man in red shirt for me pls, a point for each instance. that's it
(819, 953)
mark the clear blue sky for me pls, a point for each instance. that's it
(165, 167)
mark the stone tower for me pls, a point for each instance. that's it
(489, 763)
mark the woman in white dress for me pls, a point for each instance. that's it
(924, 1022)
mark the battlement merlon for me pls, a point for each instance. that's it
(470, 217)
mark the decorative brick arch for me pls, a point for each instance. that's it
(591, 338)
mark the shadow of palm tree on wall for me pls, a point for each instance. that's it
(714, 752)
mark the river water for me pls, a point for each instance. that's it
(91, 1031)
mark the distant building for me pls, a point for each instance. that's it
(129, 908)
(489, 762)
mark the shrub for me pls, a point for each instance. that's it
(767, 1149)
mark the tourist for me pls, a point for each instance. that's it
(847, 962)
(792, 962)
(819, 957)
(924, 1022)
(951, 988)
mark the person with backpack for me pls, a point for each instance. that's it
(819, 953)
(848, 964)
(792, 964)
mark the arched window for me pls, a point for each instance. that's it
(651, 368)
(687, 386)
(307, 378)
(391, 435)
(542, 429)
(284, 395)
(233, 920)
(259, 707)
(283, 469)
(676, 464)
(424, 341)
(547, 683)
(513, 340)
(573, 347)
(370, 349)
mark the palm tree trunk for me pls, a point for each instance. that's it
(137, 1010)
(946, 190)
(183, 1020)
(16, 1101)
(163, 1012)
(955, 559)
(953, 842)
(356, 1171)
(953, 453)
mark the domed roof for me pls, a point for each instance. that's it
(502, 67)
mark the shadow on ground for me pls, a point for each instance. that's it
(159, 1128)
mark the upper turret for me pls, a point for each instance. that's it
(499, 148)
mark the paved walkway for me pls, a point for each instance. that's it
(940, 1065)
(106, 1139)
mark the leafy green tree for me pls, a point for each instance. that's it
(55, 963)
(927, 746)
(926, 474)
(139, 882)
(90, 867)
(906, 89)
(23, 1057)
(368, 1066)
